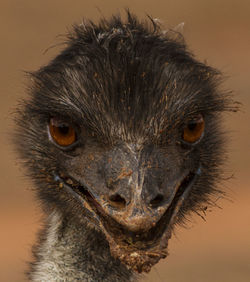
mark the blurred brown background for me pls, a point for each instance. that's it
(217, 31)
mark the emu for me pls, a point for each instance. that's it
(121, 137)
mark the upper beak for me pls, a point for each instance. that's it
(138, 210)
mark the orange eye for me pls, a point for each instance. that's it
(62, 132)
(194, 130)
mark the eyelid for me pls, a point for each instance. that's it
(193, 136)
(73, 139)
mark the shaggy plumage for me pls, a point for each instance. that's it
(112, 197)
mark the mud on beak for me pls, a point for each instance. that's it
(136, 226)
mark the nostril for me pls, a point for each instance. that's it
(117, 201)
(154, 203)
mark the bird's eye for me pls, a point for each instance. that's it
(62, 133)
(194, 130)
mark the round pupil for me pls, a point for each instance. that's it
(64, 130)
(192, 125)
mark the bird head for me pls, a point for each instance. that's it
(122, 129)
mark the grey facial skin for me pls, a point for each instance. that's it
(132, 95)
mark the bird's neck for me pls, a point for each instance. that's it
(69, 252)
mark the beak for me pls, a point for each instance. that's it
(139, 210)
(140, 187)
(135, 215)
